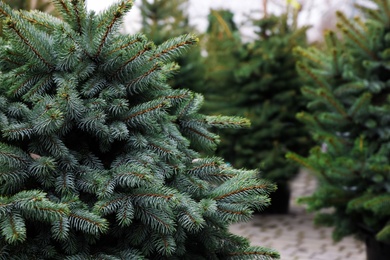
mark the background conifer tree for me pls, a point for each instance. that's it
(349, 117)
(42, 5)
(258, 80)
(222, 42)
(100, 157)
(164, 19)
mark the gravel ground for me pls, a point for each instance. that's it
(294, 235)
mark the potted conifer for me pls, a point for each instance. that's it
(349, 106)
(100, 157)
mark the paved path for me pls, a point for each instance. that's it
(294, 235)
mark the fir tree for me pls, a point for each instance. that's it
(42, 5)
(261, 83)
(164, 19)
(222, 44)
(100, 157)
(268, 95)
(349, 117)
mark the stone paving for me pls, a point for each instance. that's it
(294, 235)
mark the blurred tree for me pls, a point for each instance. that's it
(164, 19)
(222, 43)
(349, 100)
(269, 97)
(258, 80)
(41, 5)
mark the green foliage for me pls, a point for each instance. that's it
(28, 4)
(258, 80)
(222, 43)
(348, 98)
(100, 158)
(164, 19)
(42, 5)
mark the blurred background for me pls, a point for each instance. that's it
(320, 14)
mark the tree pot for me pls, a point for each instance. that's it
(376, 250)
(280, 200)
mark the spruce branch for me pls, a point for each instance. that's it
(349, 88)
(259, 253)
(300, 160)
(197, 132)
(87, 222)
(34, 21)
(133, 176)
(156, 219)
(212, 169)
(132, 40)
(108, 206)
(76, 11)
(8, 60)
(357, 41)
(234, 213)
(335, 61)
(189, 106)
(151, 108)
(6, 11)
(39, 87)
(360, 103)
(22, 85)
(173, 47)
(18, 131)
(40, 19)
(308, 54)
(94, 86)
(125, 213)
(379, 205)
(12, 156)
(147, 46)
(351, 26)
(60, 229)
(116, 12)
(385, 7)
(179, 97)
(63, 4)
(13, 26)
(383, 234)
(243, 190)
(333, 102)
(371, 13)
(13, 227)
(164, 244)
(307, 71)
(227, 121)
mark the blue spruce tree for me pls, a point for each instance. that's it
(100, 158)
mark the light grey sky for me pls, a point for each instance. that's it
(314, 13)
